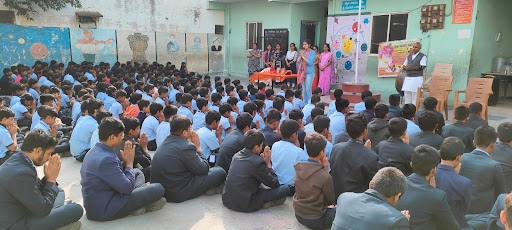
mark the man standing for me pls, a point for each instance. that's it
(414, 65)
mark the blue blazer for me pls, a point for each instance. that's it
(503, 154)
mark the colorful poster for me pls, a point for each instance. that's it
(197, 53)
(392, 56)
(463, 11)
(93, 45)
(25, 45)
(136, 46)
(216, 54)
(171, 48)
(342, 33)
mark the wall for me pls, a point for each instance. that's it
(441, 46)
(312, 11)
(142, 15)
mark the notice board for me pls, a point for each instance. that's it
(463, 11)
(274, 36)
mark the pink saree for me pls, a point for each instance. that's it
(326, 75)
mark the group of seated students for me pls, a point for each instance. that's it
(376, 167)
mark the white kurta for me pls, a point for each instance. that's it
(411, 84)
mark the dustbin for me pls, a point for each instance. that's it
(493, 99)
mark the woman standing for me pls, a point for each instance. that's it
(268, 56)
(254, 59)
(291, 63)
(326, 70)
(278, 56)
(317, 69)
(306, 70)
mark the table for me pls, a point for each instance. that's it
(259, 76)
(502, 77)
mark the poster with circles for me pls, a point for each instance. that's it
(26, 44)
(342, 33)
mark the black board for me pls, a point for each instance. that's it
(274, 36)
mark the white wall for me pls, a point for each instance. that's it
(185, 16)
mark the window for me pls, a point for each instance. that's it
(7, 17)
(219, 29)
(388, 27)
(254, 34)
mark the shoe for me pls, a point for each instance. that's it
(217, 190)
(139, 212)
(73, 226)
(274, 203)
(155, 206)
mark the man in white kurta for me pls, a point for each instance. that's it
(414, 65)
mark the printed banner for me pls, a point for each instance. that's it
(342, 35)
(392, 56)
(463, 11)
(93, 45)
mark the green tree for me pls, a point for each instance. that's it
(28, 7)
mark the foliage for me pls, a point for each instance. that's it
(28, 7)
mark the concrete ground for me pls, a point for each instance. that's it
(208, 212)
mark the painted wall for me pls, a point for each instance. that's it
(142, 15)
(441, 46)
(93, 45)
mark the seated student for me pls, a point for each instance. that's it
(288, 103)
(164, 128)
(298, 102)
(252, 92)
(110, 100)
(186, 108)
(244, 98)
(149, 90)
(176, 86)
(430, 104)
(279, 105)
(501, 213)
(150, 125)
(485, 174)
(460, 129)
(321, 126)
(81, 136)
(24, 110)
(117, 107)
(475, 120)
(408, 112)
(27, 202)
(248, 170)
(284, 87)
(428, 206)
(503, 153)
(369, 112)
(133, 109)
(233, 102)
(338, 117)
(45, 99)
(271, 125)
(394, 106)
(359, 107)
(95, 137)
(180, 166)
(110, 189)
(261, 87)
(17, 91)
(143, 110)
(227, 120)
(378, 127)
(297, 115)
(162, 99)
(216, 98)
(210, 136)
(338, 93)
(233, 141)
(269, 99)
(457, 187)
(199, 116)
(76, 110)
(285, 153)
(396, 151)
(8, 129)
(427, 122)
(309, 107)
(377, 203)
(252, 109)
(47, 123)
(314, 199)
(310, 127)
(352, 163)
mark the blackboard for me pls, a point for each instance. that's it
(274, 36)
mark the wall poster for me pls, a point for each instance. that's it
(392, 56)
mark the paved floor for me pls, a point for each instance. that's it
(207, 212)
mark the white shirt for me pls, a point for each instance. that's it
(423, 61)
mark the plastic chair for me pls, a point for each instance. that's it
(441, 69)
(478, 90)
(439, 88)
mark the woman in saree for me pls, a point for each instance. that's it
(326, 70)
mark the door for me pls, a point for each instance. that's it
(308, 30)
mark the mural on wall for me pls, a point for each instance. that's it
(197, 52)
(342, 32)
(25, 45)
(216, 53)
(171, 48)
(136, 46)
(93, 45)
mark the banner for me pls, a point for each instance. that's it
(392, 56)
(463, 11)
(341, 35)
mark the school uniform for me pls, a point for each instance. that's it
(160, 101)
(307, 112)
(337, 124)
(224, 121)
(198, 120)
(107, 103)
(150, 127)
(240, 105)
(116, 109)
(298, 103)
(5, 142)
(284, 156)
(186, 112)
(208, 141)
(81, 136)
(163, 130)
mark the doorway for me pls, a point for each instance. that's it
(308, 30)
